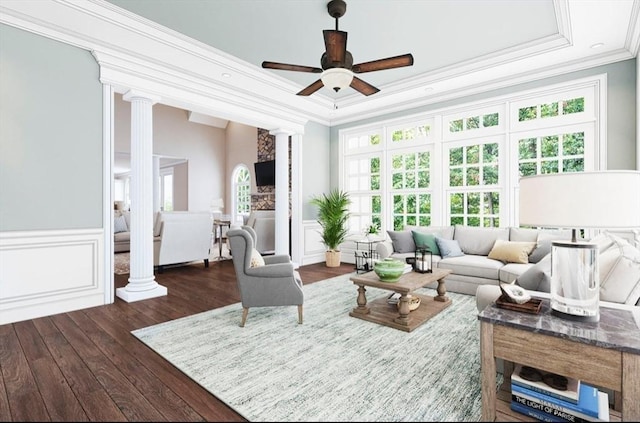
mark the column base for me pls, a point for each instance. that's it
(131, 296)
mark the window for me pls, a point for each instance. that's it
(241, 188)
(364, 186)
(462, 165)
(473, 167)
(166, 189)
(410, 188)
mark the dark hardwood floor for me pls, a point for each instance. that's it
(86, 366)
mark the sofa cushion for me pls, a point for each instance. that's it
(523, 234)
(538, 277)
(120, 224)
(448, 247)
(511, 251)
(122, 237)
(424, 240)
(402, 241)
(545, 238)
(472, 265)
(445, 232)
(620, 272)
(478, 241)
(511, 271)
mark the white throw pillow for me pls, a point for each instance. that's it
(120, 225)
(619, 272)
(256, 259)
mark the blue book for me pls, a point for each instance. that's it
(587, 406)
(534, 412)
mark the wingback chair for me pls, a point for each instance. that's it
(275, 283)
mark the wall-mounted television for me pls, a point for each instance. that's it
(265, 173)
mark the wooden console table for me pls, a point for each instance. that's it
(605, 354)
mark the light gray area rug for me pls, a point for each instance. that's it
(333, 367)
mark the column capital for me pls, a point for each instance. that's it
(133, 94)
(281, 131)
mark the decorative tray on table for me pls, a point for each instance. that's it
(532, 306)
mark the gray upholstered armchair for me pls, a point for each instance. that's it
(275, 283)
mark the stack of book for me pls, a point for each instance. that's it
(575, 402)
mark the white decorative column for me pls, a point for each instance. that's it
(282, 190)
(156, 183)
(142, 284)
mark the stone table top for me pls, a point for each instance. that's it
(618, 328)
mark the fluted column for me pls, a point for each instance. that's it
(156, 183)
(142, 284)
(282, 191)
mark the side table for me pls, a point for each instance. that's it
(605, 354)
(366, 256)
(218, 225)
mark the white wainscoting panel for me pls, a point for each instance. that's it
(312, 241)
(49, 272)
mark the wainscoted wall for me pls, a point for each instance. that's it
(314, 249)
(50, 272)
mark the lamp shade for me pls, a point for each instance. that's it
(337, 78)
(217, 204)
(600, 200)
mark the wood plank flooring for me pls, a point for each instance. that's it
(86, 366)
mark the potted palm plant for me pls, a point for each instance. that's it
(333, 214)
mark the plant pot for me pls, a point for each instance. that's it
(332, 258)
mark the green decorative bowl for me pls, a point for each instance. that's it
(389, 269)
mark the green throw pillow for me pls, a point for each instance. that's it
(423, 240)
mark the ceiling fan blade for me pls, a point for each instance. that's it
(312, 88)
(336, 44)
(363, 87)
(288, 67)
(382, 64)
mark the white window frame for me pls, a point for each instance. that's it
(593, 121)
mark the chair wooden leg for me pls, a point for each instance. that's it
(300, 314)
(245, 312)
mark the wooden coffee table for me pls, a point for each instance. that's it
(381, 312)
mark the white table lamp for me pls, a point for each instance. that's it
(217, 204)
(580, 200)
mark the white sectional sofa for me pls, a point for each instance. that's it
(474, 268)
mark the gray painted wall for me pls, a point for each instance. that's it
(50, 116)
(316, 155)
(621, 112)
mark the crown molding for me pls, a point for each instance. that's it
(136, 53)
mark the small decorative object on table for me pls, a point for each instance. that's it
(423, 260)
(414, 303)
(515, 297)
(389, 269)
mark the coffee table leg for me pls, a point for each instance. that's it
(403, 310)
(362, 301)
(442, 291)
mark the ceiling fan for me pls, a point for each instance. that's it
(336, 63)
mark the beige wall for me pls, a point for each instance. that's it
(180, 187)
(203, 147)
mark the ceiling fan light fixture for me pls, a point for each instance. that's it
(337, 78)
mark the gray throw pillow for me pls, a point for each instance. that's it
(542, 249)
(449, 247)
(402, 241)
(538, 277)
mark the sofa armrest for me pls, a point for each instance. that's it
(384, 249)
